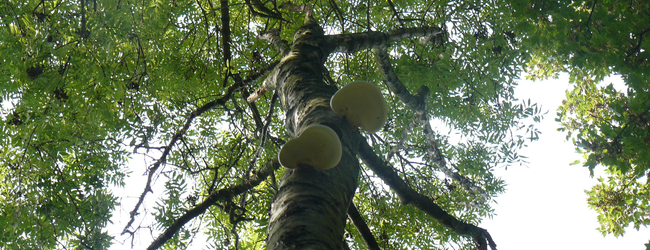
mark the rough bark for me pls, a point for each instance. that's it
(350, 43)
(310, 208)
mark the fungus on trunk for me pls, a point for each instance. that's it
(317, 146)
(362, 104)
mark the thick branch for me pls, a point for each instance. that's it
(418, 103)
(226, 40)
(225, 30)
(273, 36)
(362, 227)
(411, 197)
(219, 195)
(350, 43)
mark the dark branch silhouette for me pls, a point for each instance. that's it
(179, 134)
(418, 103)
(411, 197)
(362, 227)
(219, 195)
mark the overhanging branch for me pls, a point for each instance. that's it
(418, 103)
(350, 43)
(362, 227)
(219, 195)
(179, 134)
(226, 40)
(411, 197)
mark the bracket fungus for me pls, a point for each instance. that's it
(317, 146)
(362, 104)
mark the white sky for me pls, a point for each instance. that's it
(545, 206)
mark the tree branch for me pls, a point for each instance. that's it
(350, 43)
(411, 197)
(273, 36)
(362, 227)
(637, 48)
(214, 197)
(418, 103)
(395, 13)
(593, 6)
(225, 37)
(264, 11)
(207, 106)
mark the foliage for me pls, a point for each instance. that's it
(609, 124)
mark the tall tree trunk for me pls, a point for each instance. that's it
(311, 205)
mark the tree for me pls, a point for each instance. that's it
(89, 85)
(609, 125)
